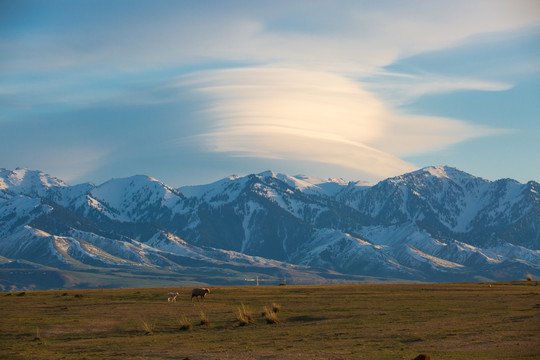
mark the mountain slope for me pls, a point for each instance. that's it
(434, 224)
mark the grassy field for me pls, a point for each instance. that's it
(382, 321)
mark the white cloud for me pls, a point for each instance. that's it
(399, 89)
(277, 113)
(408, 135)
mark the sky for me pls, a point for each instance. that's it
(190, 92)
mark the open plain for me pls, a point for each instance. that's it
(364, 321)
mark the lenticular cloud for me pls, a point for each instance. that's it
(278, 113)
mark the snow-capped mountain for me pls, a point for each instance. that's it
(434, 224)
(24, 181)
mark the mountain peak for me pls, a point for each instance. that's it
(268, 173)
(445, 173)
(26, 181)
(439, 171)
(309, 184)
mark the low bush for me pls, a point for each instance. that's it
(244, 316)
(270, 316)
(148, 327)
(185, 324)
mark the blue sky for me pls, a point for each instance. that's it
(190, 92)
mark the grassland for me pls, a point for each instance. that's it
(384, 321)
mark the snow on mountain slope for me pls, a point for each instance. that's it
(18, 211)
(299, 198)
(343, 252)
(250, 211)
(444, 253)
(135, 198)
(36, 184)
(27, 182)
(308, 184)
(409, 246)
(71, 196)
(157, 251)
(171, 243)
(434, 261)
(285, 197)
(127, 250)
(442, 195)
(505, 202)
(78, 252)
(168, 242)
(219, 192)
(31, 244)
(51, 250)
(228, 189)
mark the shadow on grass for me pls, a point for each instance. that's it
(306, 318)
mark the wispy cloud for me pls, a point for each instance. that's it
(77, 164)
(334, 35)
(400, 88)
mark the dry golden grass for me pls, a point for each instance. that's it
(185, 324)
(399, 321)
(204, 319)
(270, 316)
(148, 327)
(37, 337)
(244, 316)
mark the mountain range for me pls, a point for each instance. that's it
(436, 224)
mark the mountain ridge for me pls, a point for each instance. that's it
(434, 224)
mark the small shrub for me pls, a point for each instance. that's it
(148, 327)
(185, 324)
(204, 319)
(22, 294)
(270, 316)
(529, 277)
(276, 308)
(79, 296)
(244, 316)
